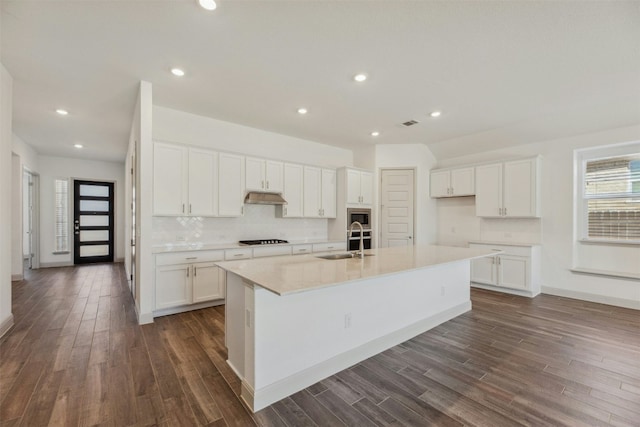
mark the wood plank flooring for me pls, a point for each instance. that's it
(76, 356)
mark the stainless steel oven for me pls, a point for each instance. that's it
(363, 216)
(353, 242)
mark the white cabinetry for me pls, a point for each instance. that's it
(185, 181)
(231, 185)
(264, 175)
(515, 270)
(359, 188)
(508, 189)
(293, 191)
(452, 182)
(184, 278)
(319, 199)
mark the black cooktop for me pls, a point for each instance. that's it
(262, 242)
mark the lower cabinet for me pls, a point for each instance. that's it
(184, 278)
(515, 270)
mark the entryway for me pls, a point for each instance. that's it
(396, 207)
(30, 237)
(93, 221)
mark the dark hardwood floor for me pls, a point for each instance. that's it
(76, 356)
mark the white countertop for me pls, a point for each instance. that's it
(497, 242)
(289, 274)
(201, 246)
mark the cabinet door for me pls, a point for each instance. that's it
(254, 174)
(230, 185)
(312, 192)
(463, 182)
(520, 192)
(173, 286)
(366, 188)
(169, 179)
(489, 190)
(293, 191)
(353, 187)
(513, 271)
(274, 176)
(203, 182)
(483, 270)
(328, 193)
(207, 285)
(439, 183)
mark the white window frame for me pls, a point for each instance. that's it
(65, 249)
(581, 205)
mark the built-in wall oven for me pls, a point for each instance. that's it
(363, 216)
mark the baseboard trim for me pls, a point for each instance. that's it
(261, 398)
(528, 294)
(56, 264)
(17, 277)
(6, 324)
(585, 296)
(185, 308)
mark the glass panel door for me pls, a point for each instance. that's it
(93, 222)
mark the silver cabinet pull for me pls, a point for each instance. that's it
(183, 208)
(238, 254)
(187, 271)
(505, 211)
(189, 207)
(262, 184)
(267, 184)
(192, 257)
(195, 271)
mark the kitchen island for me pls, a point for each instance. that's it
(292, 321)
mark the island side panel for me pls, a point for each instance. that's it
(304, 337)
(235, 323)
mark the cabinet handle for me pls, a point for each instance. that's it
(262, 184)
(301, 250)
(285, 211)
(189, 207)
(195, 271)
(187, 271)
(183, 208)
(505, 211)
(238, 254)
(267, 184)
(192, 257)
(498, 259)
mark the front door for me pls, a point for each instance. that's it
(93, 221)
(396, 208)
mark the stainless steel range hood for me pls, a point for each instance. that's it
(257, 198)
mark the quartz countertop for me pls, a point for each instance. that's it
(202, 246)
(287, 274)
(497, 242)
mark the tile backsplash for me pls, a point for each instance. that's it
(258, 222)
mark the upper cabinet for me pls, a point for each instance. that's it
(359, 188)
(264, 175)
(319, 193)
(293, 191)
(232, 185)
(453, 182)
(508, 189)
(184, 180)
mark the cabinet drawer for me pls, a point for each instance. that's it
(271, 251)
(231, 254)
(524, 251)
(189, 257)
(301, 249)
(325, 247)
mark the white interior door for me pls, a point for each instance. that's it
(396, 207)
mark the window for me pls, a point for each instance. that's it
(61, 215)
(611, 198)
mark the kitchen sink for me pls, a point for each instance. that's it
(340, 256)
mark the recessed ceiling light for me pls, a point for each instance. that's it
(207, 4)
(62, 112)
(302, 110)
(375, 133)
(177, 72)
(360, 77)
(77, 145)
(435, 114)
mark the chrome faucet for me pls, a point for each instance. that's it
(360, 253)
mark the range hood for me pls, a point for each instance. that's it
(258, 198)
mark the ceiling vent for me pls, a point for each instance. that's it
(410, 123)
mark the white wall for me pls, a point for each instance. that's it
(178, 126)
(419, 157)
(556, 230)
(6, 87)
(58, 167)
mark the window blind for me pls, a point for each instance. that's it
(61, 215)
(612, 195)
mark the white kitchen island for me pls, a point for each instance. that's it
(292, 321)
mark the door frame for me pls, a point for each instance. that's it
(35, 218)
(378, 202)
(112, 220)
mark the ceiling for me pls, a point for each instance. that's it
(502, 73)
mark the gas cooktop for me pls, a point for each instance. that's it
(262, 242)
